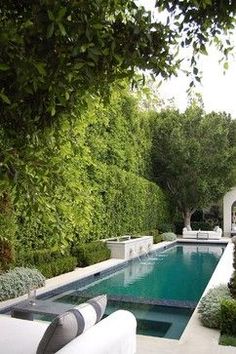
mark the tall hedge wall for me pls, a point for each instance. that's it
(85, 180)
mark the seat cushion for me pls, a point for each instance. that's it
(71, 324)
(20, 336)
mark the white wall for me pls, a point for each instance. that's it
(229, 199)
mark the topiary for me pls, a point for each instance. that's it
(168, 236)
(210, 306)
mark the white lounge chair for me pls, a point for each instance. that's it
(115, 334)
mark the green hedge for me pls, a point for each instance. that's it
(228, 317)
(49, 262)
(58, 266)
(126, 203)
(91, 253)
(28, 257)
(84, 181)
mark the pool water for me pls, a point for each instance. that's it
(161, 289)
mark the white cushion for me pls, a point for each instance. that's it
(20, 336)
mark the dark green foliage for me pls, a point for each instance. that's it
(7, 254)
(91, 253)
(179, 225)
(8, 224)
(227, 340)
(49, 262)
(232, 282)
(228, 317)
(181, 142)
(86, 181)
(165, 227)
(34, 258)
(155, 233)
(201, 225)
(53, 53)
(157, 238)
(58, 266)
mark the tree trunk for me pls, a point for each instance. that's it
(187, 218)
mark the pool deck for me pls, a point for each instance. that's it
(196, 339)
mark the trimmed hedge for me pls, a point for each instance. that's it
(91, 253)
(36, 257)
(58, 266)
(155, 233)
(49, 262)
(228, 317)
(18, 281)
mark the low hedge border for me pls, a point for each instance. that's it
(91, 253)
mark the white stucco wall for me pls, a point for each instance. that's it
(228, 201)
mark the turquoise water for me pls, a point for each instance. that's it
(161, 289)
(178, 273)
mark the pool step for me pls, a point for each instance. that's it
(170, 303)
(136, 300)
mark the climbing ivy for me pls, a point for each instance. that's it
(86, 180)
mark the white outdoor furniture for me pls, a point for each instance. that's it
(216, 234)
(115, 334)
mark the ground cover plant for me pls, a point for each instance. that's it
(19, 281)
(210, 306)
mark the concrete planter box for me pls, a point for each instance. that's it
(128, 247)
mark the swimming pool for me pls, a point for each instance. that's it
(162, 289)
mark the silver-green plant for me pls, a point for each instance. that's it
(210, 306)
(18, 281)
(168, 236)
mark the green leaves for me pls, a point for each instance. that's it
(193, 156)
(4, 98)
(4, 67)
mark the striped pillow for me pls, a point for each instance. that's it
(71, 324)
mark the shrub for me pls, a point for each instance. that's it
(168, 236)
(58, 266)
(232, 282)
(91, 253)
(209, 307)
(201, 225)
(228, 317)
(165, 227)
(179, 225)
(18, 281)
(37, 257)
(227, 340)
(155, 233)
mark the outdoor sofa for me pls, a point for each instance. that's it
(114, 334)
(216, 234)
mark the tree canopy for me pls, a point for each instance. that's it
(54, 53)
(193, 157)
